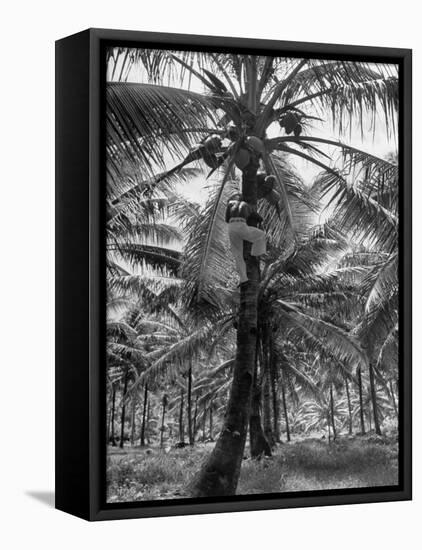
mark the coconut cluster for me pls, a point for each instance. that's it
(291, 122)
(209, 150)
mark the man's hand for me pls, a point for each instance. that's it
(254, 219)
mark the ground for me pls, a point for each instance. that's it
(139, 474)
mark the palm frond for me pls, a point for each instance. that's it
(388, 351)
(357, 213)
(146, 255)
(349, 94)
(380, 280)
(145, 122)
(207, 267)
(294, 212)
(326, 336)
(169, 360)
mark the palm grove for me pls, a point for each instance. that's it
(309, 343)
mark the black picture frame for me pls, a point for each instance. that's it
(80, 281)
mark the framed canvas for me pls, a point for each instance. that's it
(233, 274)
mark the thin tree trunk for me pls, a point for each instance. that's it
(258, 444)
(204, 420)
(220, 472)
(266, 408)
(374, 399)
(195, 418)
(113, 410)
(275, 394)
(181, 425)
(329, 428)
(162, 420)
(132, 422)
(147, 433)
(349, 406)
(144, 412)
(361, 411)
(108, 427)
(211, 421)
(122, 426)
(286, 416)
(189, 411)
(332, 412)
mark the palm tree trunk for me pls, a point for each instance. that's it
(220, 472)
(329, 427)
(258, 444)
(286, 416)
(113, 411)
(144, 412)
(181, 425)
(349, 406)
(374, 398)
(132, 422)
(332, 412)
(361, 411)
(162, 420)
(122, 425)
(108, 426)
(195, 419)
(147, 433)
(204, 420)
(211, 422)
(266, 401)
(275, 396)
(189, 411)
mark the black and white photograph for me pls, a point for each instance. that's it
(252, 218)
(210, 236)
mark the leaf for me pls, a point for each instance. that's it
(144, 120)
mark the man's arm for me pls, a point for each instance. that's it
(228, 212)
(254, 218)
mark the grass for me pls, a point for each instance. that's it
(308, 465)
(152, 474)
(313, 465)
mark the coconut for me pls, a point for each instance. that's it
(260, 177)
(212, 143)
(265, 185)
(211, 160)
(232, 132)
(242, 158)
(289, 121)
(270, 180)
(272, 197)
(256, 144)
(297, 130)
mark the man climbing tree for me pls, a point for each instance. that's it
(238, 214)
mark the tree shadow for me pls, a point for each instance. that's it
(45, 497)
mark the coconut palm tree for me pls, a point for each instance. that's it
(368, 211)
(250, 108)
(296, 302)
(175, 343)
(125, 361)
